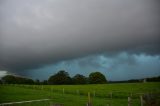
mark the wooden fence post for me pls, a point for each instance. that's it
(34, 87)
(77, 92)
(94, 93)
(89, 100)
(108, 105)
(63, 90)
(129, 101)
(111, 95)
(141, 98)
(131, 94)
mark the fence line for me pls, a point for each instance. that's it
(110, 95)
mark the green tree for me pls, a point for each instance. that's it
(44, 82)
(0, 82)
(10, 79)
(37, 82)
(28, 81)
(79, 79)
(60, 78)
(97, 78)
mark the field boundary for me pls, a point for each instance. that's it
(10, 103)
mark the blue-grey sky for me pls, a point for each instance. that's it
(121, 66)
(118, 38)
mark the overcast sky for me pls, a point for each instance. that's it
(119, 38)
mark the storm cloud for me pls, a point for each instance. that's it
(41, 32)
(120, 66)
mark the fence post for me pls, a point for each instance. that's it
(111, 95)
(89, 100)
(108, 105)
(63, 90)
(129, 101)
(94, 93)
(131, 94)
(141, 98)
(34, 87)
(77, 92)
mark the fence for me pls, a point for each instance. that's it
(143, 98)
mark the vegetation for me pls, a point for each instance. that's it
(79, 79)
(62, 78)
(153, 79)
(97, 78)
(10, 79)
(68, 95)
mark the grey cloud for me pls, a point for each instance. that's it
(108, 62)
(36, 33)
(120, 66)
(91, 61)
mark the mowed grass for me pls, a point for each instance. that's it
(76, 95)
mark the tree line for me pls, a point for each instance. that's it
(63, 78)
(151, 79)
(60, 78)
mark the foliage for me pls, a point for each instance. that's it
(60, 78)
(10, 79)
(44, 82)
(153, 79)
(37, 82)
(79, 79)
(97, 78)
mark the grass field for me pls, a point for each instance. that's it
(76, 95)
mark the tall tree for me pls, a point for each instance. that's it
(97, 78)
(79, 79)
(44, 82)
(37, 82)
(9, 79)
(0, 82)
(60, 78)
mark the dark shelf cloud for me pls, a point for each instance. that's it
(34, 34)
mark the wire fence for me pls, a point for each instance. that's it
(150, 98)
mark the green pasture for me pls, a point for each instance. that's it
(76, 95)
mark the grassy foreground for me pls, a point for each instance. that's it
(76, 95)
